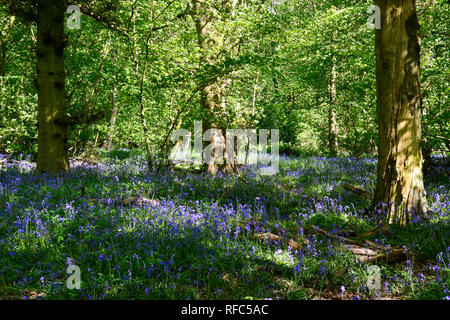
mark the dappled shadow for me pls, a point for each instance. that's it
(189, 245)
(158, 259)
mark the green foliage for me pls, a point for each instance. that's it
(279, 66)
(277, 57)
(435, 59)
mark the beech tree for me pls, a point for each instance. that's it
(399, 173)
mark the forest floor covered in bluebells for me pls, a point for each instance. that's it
(183, 235)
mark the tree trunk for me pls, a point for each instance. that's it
(146, 130)
(399, 173)
(52, 152)
(212, 90)
(141, 77)
(112, 121)
(332, 123)
(332, 131)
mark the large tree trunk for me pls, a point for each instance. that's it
(213, 89)
(52, 153)
(399, 176)
(210, 96)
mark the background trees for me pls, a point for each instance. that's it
(137, 70)
(277, 59)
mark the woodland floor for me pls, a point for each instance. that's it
(183, 235)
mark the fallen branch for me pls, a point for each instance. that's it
(368, 243)
(360, 251)
(358, 190)
(274, 238)
(369, 251)
(392, 256)
(127, 201)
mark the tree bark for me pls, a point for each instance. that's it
(52, 152)
(399, 174)
(112, 121)
(332, 123)
(213, 89)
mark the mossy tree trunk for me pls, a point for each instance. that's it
(399, 173)
(212, 90)
(52, 152)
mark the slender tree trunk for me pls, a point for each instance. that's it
(94, 146)
(140, 77)
(332, 123)
(146, 135)
(52, 152)
(77, 141)
(399, 174)
(332, 127)
(112, 121)
(255, 88)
